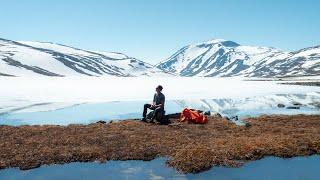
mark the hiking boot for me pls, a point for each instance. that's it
(144, 119)
(152, 121)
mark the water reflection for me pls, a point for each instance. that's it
(267, 168)
(242, 107)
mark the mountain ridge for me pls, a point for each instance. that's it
(27, 58)
(225, 58)
(212, 58)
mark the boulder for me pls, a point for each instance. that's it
(293, 107)
(101, 122)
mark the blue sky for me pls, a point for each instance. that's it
(152, 30)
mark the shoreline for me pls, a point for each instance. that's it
(190, 148)
(303, 83)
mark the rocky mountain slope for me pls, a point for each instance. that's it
(214, 58)
(49, 59)
(225, 58)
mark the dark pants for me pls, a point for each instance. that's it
(156, 110)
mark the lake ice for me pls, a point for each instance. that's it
(74, 100)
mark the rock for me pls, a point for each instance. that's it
(207, 113)
(247, 124)
(293, 107)
(297, 104)
(281, 106)
(218, 115)
(234, 118)
(101, 122)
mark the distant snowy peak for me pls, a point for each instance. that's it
(225, 58)
(298, 63)
(222, 42)
(25, 58)
(215, 58)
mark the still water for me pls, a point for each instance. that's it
(270, 168)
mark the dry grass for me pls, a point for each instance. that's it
(190, 147)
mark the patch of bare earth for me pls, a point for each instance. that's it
(308, 83)
(189, 147)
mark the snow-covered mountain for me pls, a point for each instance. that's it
(224, 58)
(212, 58)
(48, 59)
(303, 62)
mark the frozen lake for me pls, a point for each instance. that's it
(86, 113)
(270, 168)
(41, 94)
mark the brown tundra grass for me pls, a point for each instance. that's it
(190, 148)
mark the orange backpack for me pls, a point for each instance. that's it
(189, 115)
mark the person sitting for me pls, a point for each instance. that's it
(157, 104)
